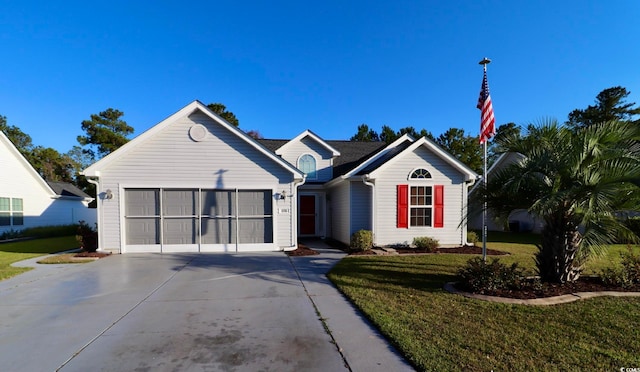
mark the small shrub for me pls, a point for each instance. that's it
(361, 240)
(40, 232)
(472, 237)
(50, 231)
(11, 234)
(479, 276)
(633, 224)
(87, 237)
(627, 274)
(427, 243)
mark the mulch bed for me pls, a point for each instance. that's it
(302, 250)
(92, 254)
(583, 284)
(467, 249)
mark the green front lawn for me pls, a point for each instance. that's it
(440, 331)
(23, 250)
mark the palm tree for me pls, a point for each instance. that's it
(576, 182)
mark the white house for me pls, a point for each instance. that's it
(519, 220)
(195, 183)
(27, 200)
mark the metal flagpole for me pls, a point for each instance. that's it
(484, 207)
(485, 61)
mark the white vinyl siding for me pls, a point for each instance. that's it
(171, 159)
(39, 204)
(360, 206)
(340, 206)
(397, 173)
(323, 157)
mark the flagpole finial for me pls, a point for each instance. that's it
(485, 61)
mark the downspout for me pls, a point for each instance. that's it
(294, 212)
(365, 180)
(98, 211)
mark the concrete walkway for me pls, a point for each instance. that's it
(186, 312)
(363, 347)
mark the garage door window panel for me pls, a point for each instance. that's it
(255, 216)
(192, 216)
(142, 212)
(218, 224)
(179, 216)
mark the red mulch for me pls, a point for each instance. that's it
(92, 254)
(583, 284)
(302, 250)
(466, 249)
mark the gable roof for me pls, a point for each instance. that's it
(504, 160)
(66, 189)
(469, 174)
(352, 153)
(4, 140)
(94, 169)
(382, 156)
(310, 134)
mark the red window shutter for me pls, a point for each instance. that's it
(403, 206)
(438, 206)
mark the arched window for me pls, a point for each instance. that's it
(307, 164)
(420, 174)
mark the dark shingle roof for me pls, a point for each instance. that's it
(67, 189)
(385, 158)
(353, 154)
(272, 144)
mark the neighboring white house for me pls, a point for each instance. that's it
(27, 200)
(196, 183)
(519, 220)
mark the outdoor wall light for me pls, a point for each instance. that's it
(108, 194)
(283, 195)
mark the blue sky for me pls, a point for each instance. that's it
(286, 66)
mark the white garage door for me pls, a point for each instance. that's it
(198, 220)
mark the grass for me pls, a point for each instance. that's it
(23, 250)
(437, 330)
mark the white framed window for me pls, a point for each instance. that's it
(11, 212)
(307, 164)
(420, 206)
(420, 174)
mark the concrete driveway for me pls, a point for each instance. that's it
(186, 312)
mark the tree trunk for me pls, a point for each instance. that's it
(556, 255)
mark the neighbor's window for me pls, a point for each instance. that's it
(420, 206)
(11, 212)
(420, 174)
(5, 212)
(17, 213)
(307, 164)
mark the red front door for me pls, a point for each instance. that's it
(307, 214)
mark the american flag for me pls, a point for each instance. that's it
(487, 121)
